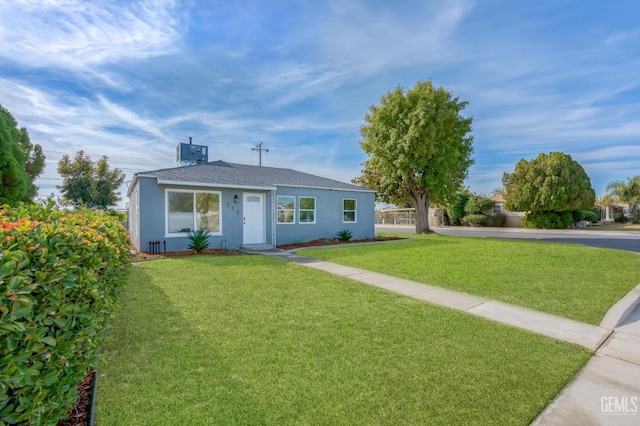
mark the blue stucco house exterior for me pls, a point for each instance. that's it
(243, 206)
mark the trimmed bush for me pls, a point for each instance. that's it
(61, 274)
(475, 219)
(547, 220)
(497, 220)
(589, 215)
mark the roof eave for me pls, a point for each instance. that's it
(213, 184)
(327, 187)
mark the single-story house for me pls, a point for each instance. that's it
(513, 219)
(407, 216)
(616, 213)
(243, 206)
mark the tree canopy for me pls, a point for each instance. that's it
(551, 182)
(85, 183)
(626, 193)
(21, 162)
(420, 148)
(477, 204)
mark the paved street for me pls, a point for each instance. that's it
(628, 241)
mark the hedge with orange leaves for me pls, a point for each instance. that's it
(61, 274)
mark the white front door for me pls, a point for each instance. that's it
(253, 230)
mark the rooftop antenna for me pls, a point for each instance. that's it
(259, 148)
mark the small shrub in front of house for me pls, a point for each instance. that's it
(61, 274)
(474, 219)
(198, 240)
(344, 235)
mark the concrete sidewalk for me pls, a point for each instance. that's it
(605, 392)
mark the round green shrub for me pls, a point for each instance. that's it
(547, 220)
(474, 219)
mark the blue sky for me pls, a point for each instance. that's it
(131, 80)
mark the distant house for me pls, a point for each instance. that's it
(514, 219)
(243, 206)
(616, 213)
(407, 216)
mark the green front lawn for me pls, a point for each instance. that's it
(571, 281)
(252, 340)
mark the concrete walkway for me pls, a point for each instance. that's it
(605, 392)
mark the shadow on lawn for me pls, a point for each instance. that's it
(159, 367)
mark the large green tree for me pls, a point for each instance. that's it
(420, 148)
(85, 183)
(626, 193)
(551, 182)
(21, 162)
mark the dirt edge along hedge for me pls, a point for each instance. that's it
(61, 274)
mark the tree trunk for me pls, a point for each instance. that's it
(421, 204)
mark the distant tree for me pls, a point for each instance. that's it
(626, 193)
(21, 162)
(85, 183)
(549, 183)
(498, 191)
(606, 200)
(419, 148)
(476, 204)
(456, 204)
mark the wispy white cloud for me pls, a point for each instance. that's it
(131, 118)
(351, 41)
(80, 36)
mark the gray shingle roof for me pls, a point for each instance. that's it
(230, 174)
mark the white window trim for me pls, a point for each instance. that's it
(355, 211)
(294, 210)
(191, 191)
(300, 210)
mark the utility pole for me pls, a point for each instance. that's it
(259, 148)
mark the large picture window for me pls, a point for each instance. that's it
(286, 209)
(307, 210)
(188, 211)
(349, 210)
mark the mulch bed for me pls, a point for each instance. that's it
(141, 256)
(328, 242)
(81, 413)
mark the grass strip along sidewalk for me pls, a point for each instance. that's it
(253, 340)
(570, 281)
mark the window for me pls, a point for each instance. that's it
(307, 210)
(286, 209)
(189, 211)
(349, 210)
(497, 208)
